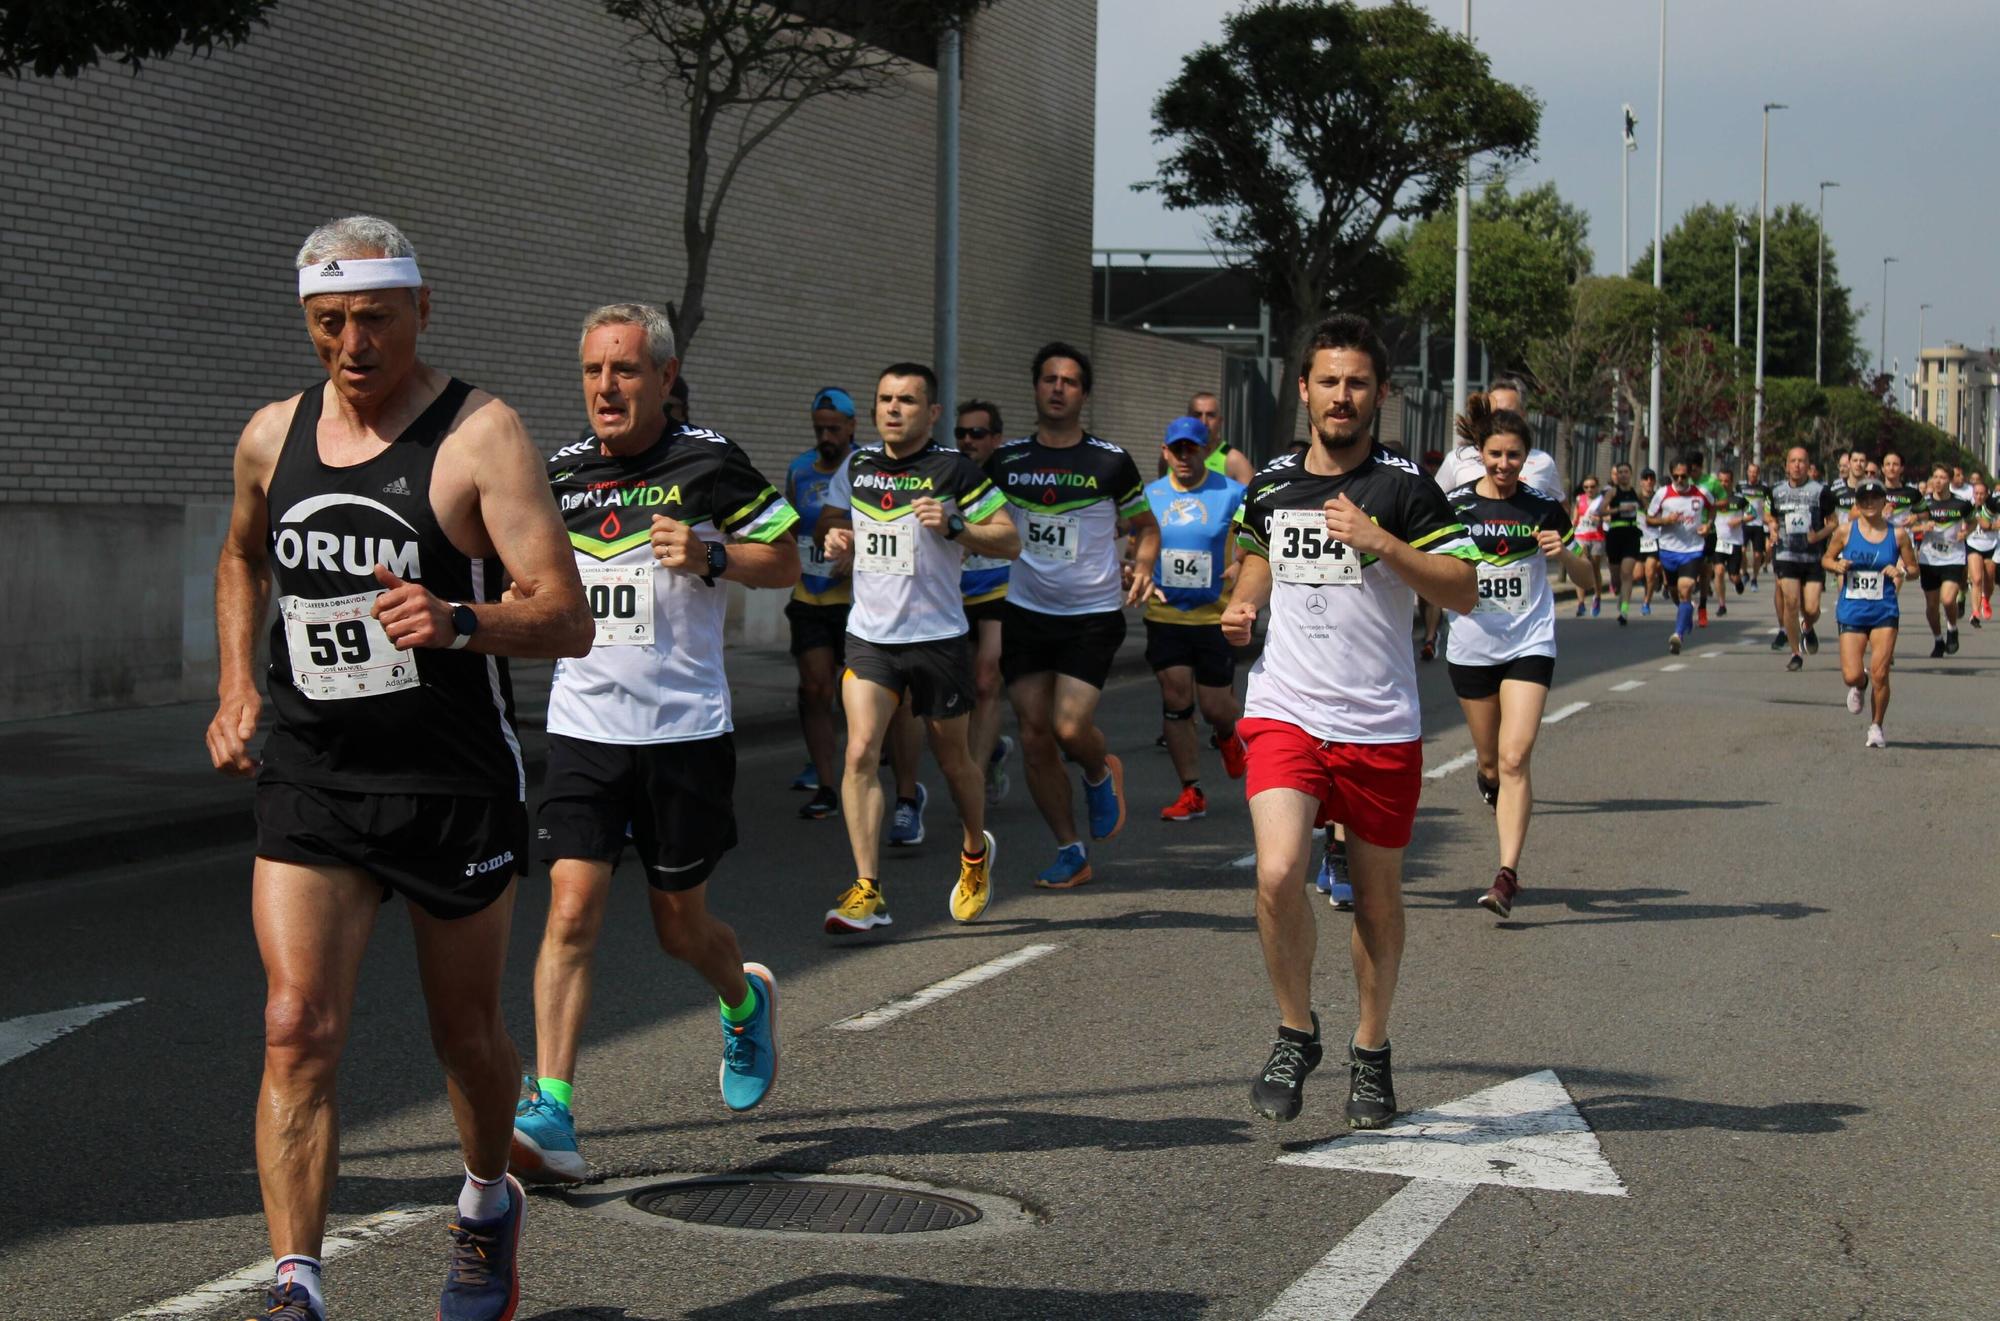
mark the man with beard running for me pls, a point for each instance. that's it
(1339, 543)
(1942, 519)
(1802, 519)
(1683, 516)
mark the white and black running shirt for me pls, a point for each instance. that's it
(1985, 540)
(1337, 660)
(1516, 613)
(654, 673)
(1796, 513)
(1067, 503)
(906, 577)
(1950, 520)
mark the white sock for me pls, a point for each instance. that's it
(304, 1272)
(483, 1199)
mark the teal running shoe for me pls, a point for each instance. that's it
(1107, 800)
(1070, 869)
(545, 1140)
(750, 1048)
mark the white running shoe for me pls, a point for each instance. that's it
(1875, 738)
(1854, 701)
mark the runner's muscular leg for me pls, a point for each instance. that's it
(689, 932)
(1521, 704)
(1177, 694)
(578, 891)
(1282, 823)
(1034, 700)
(1482, 719)
(312, 926)
(1076, 724)
(966, 778)
(460, 962)
(1377, 939)
(871, 708)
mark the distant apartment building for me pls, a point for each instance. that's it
(1955, 392)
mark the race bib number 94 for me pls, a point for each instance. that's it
(1186, 568)
(339, 651)
(1503, 589)
(1302, 551)
(621, 601)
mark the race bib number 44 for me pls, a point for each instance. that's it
(1053, 537)
(621, 601)
(887, 548)
(1798, 522)
(1302, 551)
(1503, 589)
(339, 651)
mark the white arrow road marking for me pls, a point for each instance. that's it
(937, 991)
(338, 1243)
(20, 1036)
(1628, 685)
(1565, 713)
(1520, 1134)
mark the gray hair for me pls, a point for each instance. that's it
(659, 333)
(353, 237)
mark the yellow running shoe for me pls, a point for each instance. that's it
(975, 884)
(859, 909)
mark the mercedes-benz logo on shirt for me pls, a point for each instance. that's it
(1316, 604)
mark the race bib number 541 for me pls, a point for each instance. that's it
(339, 651)
(1303, 551)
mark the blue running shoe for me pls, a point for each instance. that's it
(1323, 878)
(1595, 606)
(750, 1048)
(1070, 869)
(1339, 891)
(907, 827)
(807, 780)
(544, 1139)
(289, 1302)
(1107, 800)
(1645, 607)
(484, 1281)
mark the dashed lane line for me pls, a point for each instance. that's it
(1677, 665)
(1564, 713)
(936, 991)
(1458, 763)
(1628, 685)
(368, 1229)
(1711, 655)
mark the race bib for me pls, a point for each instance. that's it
(621, 601)
(886, 548)
(1053, 537)
(1303, 551)
(1503, 589)
(1798, 522)
(814, 562)
(339, 650)
(1864, 584)
(1186, 568)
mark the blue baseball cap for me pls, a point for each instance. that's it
(835, 398)
(1187, 431)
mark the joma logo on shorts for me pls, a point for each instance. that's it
(490, 865)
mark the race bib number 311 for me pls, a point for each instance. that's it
(339, 651)
(887, 548)
(1302, 551)
(621, 601)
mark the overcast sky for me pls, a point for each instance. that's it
(1894, 101)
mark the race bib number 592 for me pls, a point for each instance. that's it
(1303, 551)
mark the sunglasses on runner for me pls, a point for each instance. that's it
(971, 433)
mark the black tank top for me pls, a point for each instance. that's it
(351, 712)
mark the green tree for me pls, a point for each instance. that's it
(1697, 390)
(1794, 408)
(1572, 383)
(68, 36)
(1857, 419)
(1543, 213)
(1519, 282)
(1309, 127)
(741, 69)
(1617, 318)
(1698, 270)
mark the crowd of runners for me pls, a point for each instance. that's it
(941, 579)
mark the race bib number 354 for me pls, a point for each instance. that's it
(1302, 551)
(338, 650)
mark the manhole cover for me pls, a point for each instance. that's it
(804, 1206)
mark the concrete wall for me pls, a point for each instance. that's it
(1143, 381)
(147, 302)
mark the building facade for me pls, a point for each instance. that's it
(1955, 392)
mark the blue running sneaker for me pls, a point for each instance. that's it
(1645, 607)
(1070, 869)
(1107, 800)
(1323, 878)
(1333, 882)
(484, 1281)
(289, 1302)
(544, 1139)
(807, 780)
(750, 1048)
(907, 827)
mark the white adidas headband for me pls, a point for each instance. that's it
(357, 274)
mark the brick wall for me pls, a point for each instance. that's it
(1143, 382)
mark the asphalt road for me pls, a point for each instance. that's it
(1758, 956)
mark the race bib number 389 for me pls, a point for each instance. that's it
(338, 650)
(1503, 589)
(1302, 551)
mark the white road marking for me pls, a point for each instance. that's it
(936, 991)
(338, 1243)
(1250, 859)
(1628, 685)
(1711, 655)
(1564, 713)
(22, 1036)
(1458, 763)
(1677, 665)
(1521, 1134)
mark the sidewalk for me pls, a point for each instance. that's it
(80, 792)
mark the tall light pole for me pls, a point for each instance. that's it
(1819, 285)
(1461, 304)
(1631, 144)
(1882, 349)
(1763, 228)
(1917, 367)
(1659, 212)
(944, 316)
(1738, 241)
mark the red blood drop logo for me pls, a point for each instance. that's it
(888, 500)
(610, 527)
(1048, 495)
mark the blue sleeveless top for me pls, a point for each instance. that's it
(1867, 598)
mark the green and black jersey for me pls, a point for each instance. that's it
(1067, 501)
(1516, 611)
(905, 575)
(1950, 520)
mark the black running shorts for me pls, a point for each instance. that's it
(1933, 576)
(450, 854)
(1621, 544)
(1080, 646)
(1476, 682)
(817, 626)
(1199, 647)
(994, 608)
(1753, 537)
(937, 675)
(1801, 571)
(673, 802)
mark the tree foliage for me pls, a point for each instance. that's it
(1543, 213)
(1519, 283)
(1697, 389)
(1309, 127)
(741, 69)
(1857, 419)
(66, 37)
(1700, 277)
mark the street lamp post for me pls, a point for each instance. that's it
(1738, 240)
(1819, 285)
(1461, 305)
(1659, 212)
(1882, 349)
(1917, 368)
(1763, 226)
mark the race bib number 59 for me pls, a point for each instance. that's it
(1303, 551)
(339, 651)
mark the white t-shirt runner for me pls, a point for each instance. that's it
(1067, 502)
(1337, 660)
(1689, 509)
(1463, 466)
(1516, 613)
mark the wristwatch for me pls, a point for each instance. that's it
(718, 561)
(953, 525)
(464, 622)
